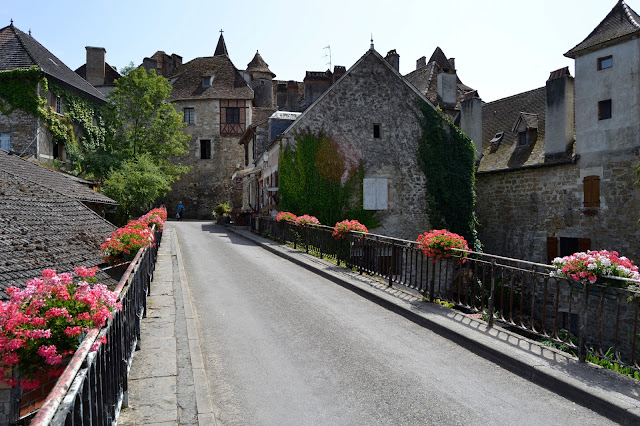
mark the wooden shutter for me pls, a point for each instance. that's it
(591, 191)
(552, 249)
(584, 244)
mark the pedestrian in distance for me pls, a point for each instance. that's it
(180, 210)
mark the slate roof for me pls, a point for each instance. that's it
(54, 182)
(258, 64)
(40, 229)
(619, 24)
(426, 81)
(501, 116)
(20, 50)
(227, 83)
(221, 48)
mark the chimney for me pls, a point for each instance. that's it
(422, 62)
(471, 119)
(281, 95)
(150, 64)
(95, 65)
(394, 59)
(448, 87)
(338, 71)
(292, 96)
(559, 113)
(452, 63)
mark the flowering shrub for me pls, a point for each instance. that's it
(439, 243)
(156, 217)
(286, 216)
(45, 322)
(306, 220)
(125, 242)
(342, 228)
(588, 267)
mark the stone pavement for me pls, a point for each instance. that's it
(168, 385)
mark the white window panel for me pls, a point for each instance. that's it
(375, 194)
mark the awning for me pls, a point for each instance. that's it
(245, 172)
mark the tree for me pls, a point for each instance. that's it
(137, 184)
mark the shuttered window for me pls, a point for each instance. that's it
(591, 191)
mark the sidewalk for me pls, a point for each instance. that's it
(167, 381)
(167, 384)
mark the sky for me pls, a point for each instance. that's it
(501, 47)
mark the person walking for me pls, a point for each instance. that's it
(180, 210)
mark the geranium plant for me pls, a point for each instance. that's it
(45, 321)
(156, 217)
(590, 266)
(286, 216)
(124, 243)
(341, 229)
(306, 220)
(441, 243)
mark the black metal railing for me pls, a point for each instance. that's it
(94, 386)
(521, 296)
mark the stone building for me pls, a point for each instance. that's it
(371, 112)
(22, 131)
(554, 179)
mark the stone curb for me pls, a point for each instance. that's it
(206, 415)
(610, 394)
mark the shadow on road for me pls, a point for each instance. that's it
(220, 230)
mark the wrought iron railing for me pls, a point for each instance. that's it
(521, 296)
(93, 387)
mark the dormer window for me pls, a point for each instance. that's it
(605, 62)
(206, 81)
(522, 138)
(526, 127)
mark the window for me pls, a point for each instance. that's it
(233, 116)
(206, 81)
(376, 131)
(604, 63)
(522, 138)
(591, 191)
(56, 103)
(57, 150)
(5, 141)
(375, 194)
(205, 149)
(604, 110)
(568, 246)
(189, 115)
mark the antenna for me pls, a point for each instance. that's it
(328, 48)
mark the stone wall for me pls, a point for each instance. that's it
(374, 94)
(208, 183)
(23, 129)
(517, 210)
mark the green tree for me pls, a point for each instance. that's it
(135, 185)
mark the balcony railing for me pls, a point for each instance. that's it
(518, 295)
(93, 387)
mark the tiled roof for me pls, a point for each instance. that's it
(57, 182)
(426, 81)
(20, 50)
(227, 83)
(501, 116)
(622, 21)
(40, 229)
(258, 64)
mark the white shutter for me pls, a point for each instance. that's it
(375, 194)
(382, 194)
(5, 141)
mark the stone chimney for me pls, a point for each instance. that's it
(448, 88)
(422, 62)
(95, 65)
(452, 63)
(338, 71)
(559, 112)
(471, 119)
(292, 96)
(281, 95)
(150, 64)
(394, 59)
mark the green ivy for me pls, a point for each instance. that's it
(310, 182)
(447, 158)
(19, 89)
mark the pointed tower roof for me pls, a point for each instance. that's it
(439, 58)
(258, 64)
(619, 24)
(221, 48)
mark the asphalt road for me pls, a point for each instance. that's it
(283, 346)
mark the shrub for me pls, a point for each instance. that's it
(221, 210)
